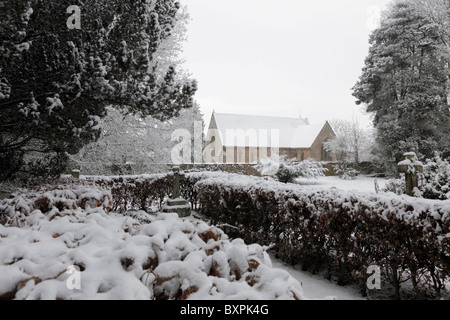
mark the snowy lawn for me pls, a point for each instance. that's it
(361, 184)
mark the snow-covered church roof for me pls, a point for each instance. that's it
(236, 130)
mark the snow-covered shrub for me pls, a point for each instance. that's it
(135, 192)
(397, 186)
(434, 182)
(286, 170)
(144, 192)
(344, 171)
(52, 201)
(311, 169)
(436, 175)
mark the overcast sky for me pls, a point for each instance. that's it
(280, 58)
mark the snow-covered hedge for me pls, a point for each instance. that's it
(139, 192)
(147, 192)
(342, 231)
(287, 170)
(63, 242)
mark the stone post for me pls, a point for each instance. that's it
(176, 203)
(76, 174)
(177, 177)
(411, 167)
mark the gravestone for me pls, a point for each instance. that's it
(76, 174)
(177, 204)
(411, 167)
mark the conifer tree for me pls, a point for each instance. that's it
(405, 84)
(56, 82)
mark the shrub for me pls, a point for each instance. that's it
(287, 170)
(344, 171)
(436, 179)
(434, 182)
(397, 186)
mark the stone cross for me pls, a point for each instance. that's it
(177, 204)
(177, 177)
(411, 167)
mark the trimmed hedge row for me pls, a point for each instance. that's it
(344, 232)
(341, 232)
(144, 192)
(134, 192)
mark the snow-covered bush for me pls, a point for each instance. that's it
(286, 170)
(135, 192)
(51, 201)
(344, 171)
(434, 182)
(436, 176)
(311, 169)
(144, 192)
(397, 186)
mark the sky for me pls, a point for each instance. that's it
(280, 58)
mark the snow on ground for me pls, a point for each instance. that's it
(316, 287)
(361, 184)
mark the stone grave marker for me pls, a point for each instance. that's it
(177, 204)
(411, 167)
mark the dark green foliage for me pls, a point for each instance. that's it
(55, 83)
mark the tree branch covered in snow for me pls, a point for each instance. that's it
(352, 143)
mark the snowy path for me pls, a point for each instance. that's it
(317, 287)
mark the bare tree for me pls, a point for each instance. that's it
(352, 143)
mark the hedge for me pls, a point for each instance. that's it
(342, 231)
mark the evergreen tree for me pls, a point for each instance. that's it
(405, 84)
(56, 82)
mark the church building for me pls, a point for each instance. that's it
(237, 138)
